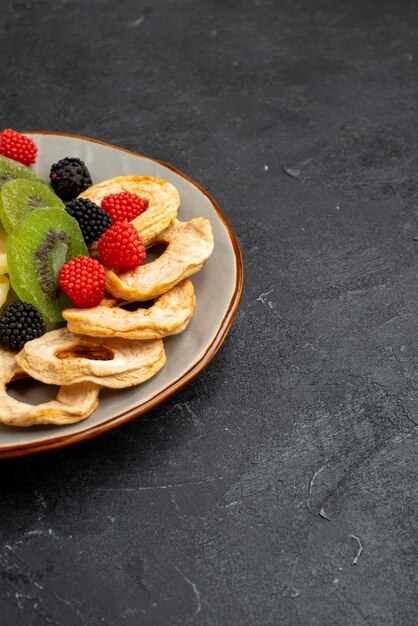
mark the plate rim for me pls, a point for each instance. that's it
(28, 449)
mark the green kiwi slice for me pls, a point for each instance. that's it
(10, 170)
(36, 250)
(19, 197)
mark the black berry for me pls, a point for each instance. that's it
(20, 323)
(93, 220)
(69, 177)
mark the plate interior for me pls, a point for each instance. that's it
(215, 286)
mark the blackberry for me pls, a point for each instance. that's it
(20, 323)
(69, 177)
(93, 220)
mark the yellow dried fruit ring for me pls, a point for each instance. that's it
(73, 403)
(61, 357)
(169, 315)
(190, 244)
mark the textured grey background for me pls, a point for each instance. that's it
(236, 501)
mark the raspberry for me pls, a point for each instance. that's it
(123, 206)
(120, 247)
(18, 147)
(83, 280)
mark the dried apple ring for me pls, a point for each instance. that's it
(73, 403)
(169, 315)
(162, 198)
(190, 244)
(61, 357)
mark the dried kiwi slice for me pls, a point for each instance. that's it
(36, 250)
(19, 197)
(10, 170)
(4, 289)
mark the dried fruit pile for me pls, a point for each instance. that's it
(71, 257)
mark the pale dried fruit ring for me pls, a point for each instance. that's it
(169, 315)
(190, 244)
(73, 403)
(60, 357)
(162, 198)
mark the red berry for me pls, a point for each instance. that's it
(18, 147)
(120, 247)
(123, 206)
(83, 280)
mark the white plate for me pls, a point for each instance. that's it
(218, 289)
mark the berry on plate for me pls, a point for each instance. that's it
(93, 221)
(20, 323)
(83, 280)
(18, 147)
(120, 247)
(123, 206)
(69, 177)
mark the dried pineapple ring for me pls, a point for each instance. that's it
(73, 403)
(169, 315)
(162, 198)
(60, 357)
(190, 244)
(4, 289)
(3, 254)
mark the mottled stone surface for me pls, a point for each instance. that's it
(246, 498)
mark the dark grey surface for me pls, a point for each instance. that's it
(237, 501)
